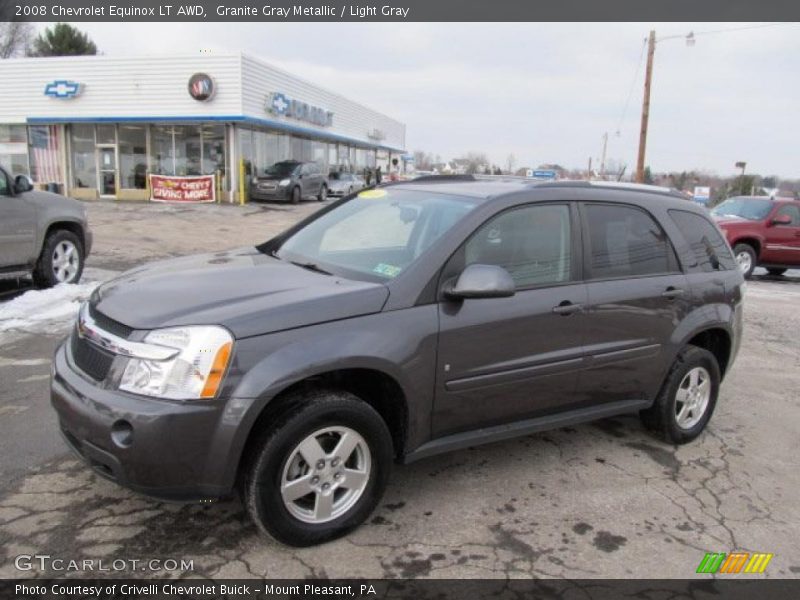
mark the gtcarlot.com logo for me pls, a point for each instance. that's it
(735, 562)
(45, 562)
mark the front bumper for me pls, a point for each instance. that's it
(279, 194)
(185, 451)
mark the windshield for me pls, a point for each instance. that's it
(341, 177)
(376, 235)
(281, 169)
(753, 209)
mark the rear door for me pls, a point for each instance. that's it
(636, 296)
(504, 359)
(17, 225)
(783, 241)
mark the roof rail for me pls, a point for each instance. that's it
(440, 179)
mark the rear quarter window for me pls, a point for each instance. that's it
(706, 243)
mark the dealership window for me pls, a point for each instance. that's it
(45, 161)
(13, 134)
(84, 168)
(213, 137)
(188, 149)
(319, 154)
(132, 156)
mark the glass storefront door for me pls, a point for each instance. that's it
(107, 169)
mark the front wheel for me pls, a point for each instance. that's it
(687, 398)
(319, 470)
(745, 258)
(323, 193)
(294, 198)
(61, 260)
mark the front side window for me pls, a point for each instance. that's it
(626, 242)
(532, 243)
(376, 235)
(752, 209)
(792, 211)
(708, 247)
(5, 185)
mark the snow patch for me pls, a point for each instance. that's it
(45, 311)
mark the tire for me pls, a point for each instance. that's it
(61, 260)
(663, 417)
(776, 272)
(746, 258)
(323, 193)
(276, 460)
(295, 196)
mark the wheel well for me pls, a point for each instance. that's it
(754, 243)
(375, 388)
(66, 226)
(716, 341)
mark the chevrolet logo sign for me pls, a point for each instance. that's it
(62, 89)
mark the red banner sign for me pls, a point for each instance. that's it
(182, 189)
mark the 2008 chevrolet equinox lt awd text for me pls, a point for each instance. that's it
(395, 324)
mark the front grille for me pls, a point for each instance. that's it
(90, 359)
(108, 324)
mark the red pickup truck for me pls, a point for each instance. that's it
(763, 232)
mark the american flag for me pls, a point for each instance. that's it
(46, 167)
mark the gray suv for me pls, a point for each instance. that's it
(42, 234)
(290, 181)
(393, 325)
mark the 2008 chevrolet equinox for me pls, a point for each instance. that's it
(396, 324)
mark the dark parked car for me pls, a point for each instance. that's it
(400, 323)
(42, 234)
(290, 181)
(763, 232)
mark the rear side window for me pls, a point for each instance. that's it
(626, 242)
(708, 247)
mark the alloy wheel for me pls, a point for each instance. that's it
(326, 474)
(692, 398)
(66, 261)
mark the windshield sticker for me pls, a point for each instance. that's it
(372, 194)
(387, 270)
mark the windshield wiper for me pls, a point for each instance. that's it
(311, 267)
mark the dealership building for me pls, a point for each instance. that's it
(97, 126)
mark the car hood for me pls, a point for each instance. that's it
(51, 201)
(248, 292)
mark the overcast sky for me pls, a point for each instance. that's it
(545, 92)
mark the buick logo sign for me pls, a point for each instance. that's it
(202, 87)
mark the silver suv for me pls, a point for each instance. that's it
(42, 234)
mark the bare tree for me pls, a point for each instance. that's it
(15, 37)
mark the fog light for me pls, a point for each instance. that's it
(122, 434)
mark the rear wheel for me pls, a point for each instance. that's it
(61, 260)
(687, 398)
(319, 470)
(323, 193)
(776, 272)
(745, 258)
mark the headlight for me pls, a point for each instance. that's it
(195, 372)
(284, 182)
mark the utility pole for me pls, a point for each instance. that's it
(603, 157)
(648, 77)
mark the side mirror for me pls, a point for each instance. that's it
(22, 183)
(782, 220)
(481, 281)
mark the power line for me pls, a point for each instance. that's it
(633, 85)
(746, 27)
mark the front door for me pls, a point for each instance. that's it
(782, 245)
(107, 170)
(503, 359)
(17, 225)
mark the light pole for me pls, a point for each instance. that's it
(648, 80)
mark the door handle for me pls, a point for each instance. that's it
(672, 292)
(567, 308)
